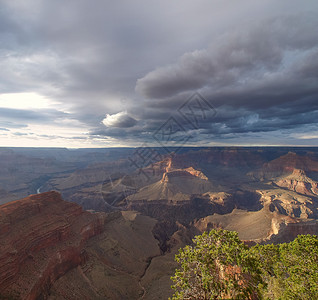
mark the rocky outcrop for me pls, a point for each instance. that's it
(176, 186)
(289, 203)
(220, 198)
(196, 173)
(291, 161)
(187, 172)
(42, 237)
(286, 164)
(117, 261)
(290, 230)
(299, 182)
(264, 226)
(159, 168)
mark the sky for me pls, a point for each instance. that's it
(82, 73)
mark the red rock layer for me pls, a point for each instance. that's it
(42, 237)
(290, 161)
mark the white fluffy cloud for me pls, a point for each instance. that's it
(121, 119)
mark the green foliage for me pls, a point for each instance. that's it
(290, 270)
(220, 266)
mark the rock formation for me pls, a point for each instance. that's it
(284, 215)
(298, 182)
(175, 186)
(117, 261)
(53, 249)
(42, 237)
(286, 164)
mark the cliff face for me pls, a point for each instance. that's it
(287, 163)
(289, 231)
(42, 237)
(299, 182)
(117, 261)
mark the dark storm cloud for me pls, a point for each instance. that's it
(87, 50)
(257, 63)
(271, 53)
(90, 49)
(262, 78)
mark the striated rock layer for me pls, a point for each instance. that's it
(42, 238)
(117, 260)
(286, 164)
(299, 182)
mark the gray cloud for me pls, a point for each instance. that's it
(271, 53)
(260, 78)
(257, 63)
(8, 124)
(41, 115)
(19, 133)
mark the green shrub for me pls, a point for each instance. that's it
(219, 266)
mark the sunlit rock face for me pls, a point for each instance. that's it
(299, 182)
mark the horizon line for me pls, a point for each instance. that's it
(179, 147)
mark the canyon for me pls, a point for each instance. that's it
(111, 230)
(52, 249)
